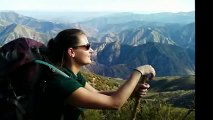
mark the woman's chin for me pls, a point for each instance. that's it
(88, 62)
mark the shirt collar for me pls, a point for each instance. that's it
(70, 73)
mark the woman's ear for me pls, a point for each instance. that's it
(70, 52)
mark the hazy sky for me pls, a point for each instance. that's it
(100, 5)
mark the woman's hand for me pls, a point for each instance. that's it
(140, 90)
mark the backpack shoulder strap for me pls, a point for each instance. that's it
(52, 67)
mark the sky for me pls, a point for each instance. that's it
(100, 5)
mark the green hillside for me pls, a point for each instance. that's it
(173, 83)
(174, 102)
(100, 82)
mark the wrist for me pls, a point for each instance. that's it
(139, 71)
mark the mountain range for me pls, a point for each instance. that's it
(121, 41)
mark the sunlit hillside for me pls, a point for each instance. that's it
(174, 102)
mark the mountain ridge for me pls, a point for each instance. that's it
(119, 47)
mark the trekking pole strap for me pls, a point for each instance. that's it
(52, 67)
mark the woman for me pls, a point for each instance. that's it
(64, 97)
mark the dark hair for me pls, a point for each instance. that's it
(57, 47)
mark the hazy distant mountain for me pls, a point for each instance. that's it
(138, 32)
(185, 36)
(90, 31)
(64, 16)
(40, 26)
(14, 31)
(163, 17)
(128, 30)
(118, 18)
(111, 37)
(143, 35)
(121, 42)
(175, 34)
(3, 22)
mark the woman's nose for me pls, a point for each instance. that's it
(91, 50)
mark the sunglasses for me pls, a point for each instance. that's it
(87, 46)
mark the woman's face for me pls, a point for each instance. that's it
(82, 51)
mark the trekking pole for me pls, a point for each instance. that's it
(143, 80)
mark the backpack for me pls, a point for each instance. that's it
(23, 62)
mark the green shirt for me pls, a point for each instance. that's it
(56, 90)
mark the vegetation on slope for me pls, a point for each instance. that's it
(171, 103)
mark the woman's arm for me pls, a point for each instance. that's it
(92, 89)
(91, 98)
(140, 90)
